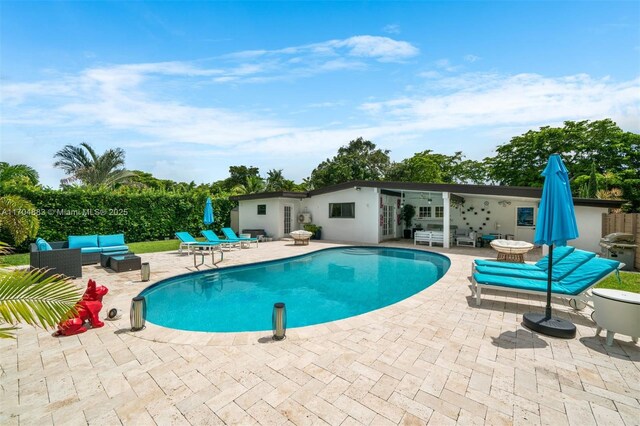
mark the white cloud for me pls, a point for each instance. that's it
(471, 58)
(500, 100)
(391, 29)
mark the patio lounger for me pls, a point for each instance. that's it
(561, 269)
(187, 241)
(573, 285)
(211, 237)
(228, 232)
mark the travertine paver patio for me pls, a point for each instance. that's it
(433, 358)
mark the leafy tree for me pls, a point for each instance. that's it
(238, 175)
(583, 144)
(593, 181)
(520, 162)
(83, 164)
(17, 173)
(437, 168)
(360, 160)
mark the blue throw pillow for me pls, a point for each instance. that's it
(80, 241)
(111, 240)
(43, 245)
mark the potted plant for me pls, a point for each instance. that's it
(316, 230)
(408, 212)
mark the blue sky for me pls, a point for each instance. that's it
(190, 88)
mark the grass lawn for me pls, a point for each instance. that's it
(630, 281)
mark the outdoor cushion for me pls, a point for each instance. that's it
(588, 274)
(111, 240)
(81, 241)
(570, 263)
(114, 248)
(42, 245)
(185, 237)
(559, 253)
(583, 277)
(561, 269)
(90, 250)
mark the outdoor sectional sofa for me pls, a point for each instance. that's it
(67, 257)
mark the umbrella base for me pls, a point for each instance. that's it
(549, 326)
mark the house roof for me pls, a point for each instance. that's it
(494, 190)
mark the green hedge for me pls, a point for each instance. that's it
(141, 216)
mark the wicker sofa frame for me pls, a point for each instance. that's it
(59, 260)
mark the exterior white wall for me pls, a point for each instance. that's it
(589, 221)
(364, 228)
(273, 221)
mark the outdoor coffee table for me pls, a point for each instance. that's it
(125, 262)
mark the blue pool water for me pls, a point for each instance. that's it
(323, 286)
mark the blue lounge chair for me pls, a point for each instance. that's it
(187, 241)
(561, 268)
(228, 232)
(211, 237)
(572, 279)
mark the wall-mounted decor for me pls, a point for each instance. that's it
(504, 203)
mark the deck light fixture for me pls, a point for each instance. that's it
(138, 313)
(279, 321)
(145, 271)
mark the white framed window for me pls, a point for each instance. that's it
(439, 211)
(424, 212)
(342, 210)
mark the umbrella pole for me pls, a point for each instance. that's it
(549, 279)
(545, 323)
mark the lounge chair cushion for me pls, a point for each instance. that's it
(43, 245)
(185, 237)
(83, 241)
(230, 235)
(587, 274)
(111, 240)
(559, 253)
(560, 270)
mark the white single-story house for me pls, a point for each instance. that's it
(370, 212)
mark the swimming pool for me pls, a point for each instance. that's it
(318, 287)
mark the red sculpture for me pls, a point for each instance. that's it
(88, 309)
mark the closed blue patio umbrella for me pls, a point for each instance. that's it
(208, 213)
(556, 224)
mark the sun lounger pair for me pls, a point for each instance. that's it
(232, 240)
(191, 244)
(574, 272)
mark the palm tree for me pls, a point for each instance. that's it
(83, 164)
(17, 218)
(252, 185)
(29, 296)
(12, 172)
